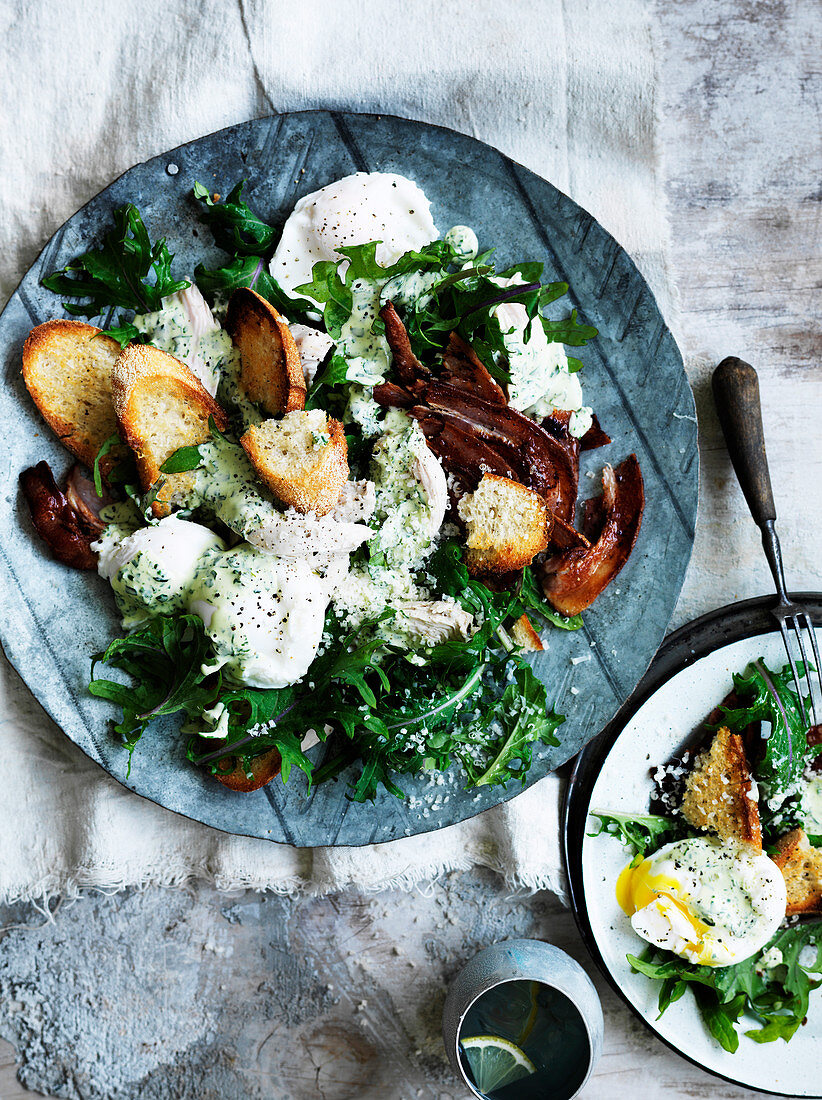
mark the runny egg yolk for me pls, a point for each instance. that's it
(637, 887)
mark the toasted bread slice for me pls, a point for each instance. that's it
(67, 370)
(264, 768)
(271, 372)
(303, 459)
(525, 636)
(507, 525)
(161, 406)
(801, 867)
(719, 795)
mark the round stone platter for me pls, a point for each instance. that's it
(54, 618)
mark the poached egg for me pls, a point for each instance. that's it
(368, 206)
(264, 614)
(712, 902)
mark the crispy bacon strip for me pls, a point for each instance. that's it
(565, 536)
(82, 498)
(461, 451)
(462, 368)
(406, 364)
(506, 428)
(55, 520)
(573, 579)
(594, 437)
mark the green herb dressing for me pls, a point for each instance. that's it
(170, 329)
(540, 379)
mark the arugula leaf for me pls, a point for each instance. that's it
(523, 718)
(568, 331)
(533, 600)
(640, 832)
(112, 441)
(234, 225)
(332, 374)
(182, 460)
(768, 696)
(164, 659)
(126, 333)
(777, 997)
(127, 272)
(252, 271)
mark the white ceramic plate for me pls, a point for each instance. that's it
(654, 732)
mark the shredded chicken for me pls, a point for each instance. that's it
(433, 621)
(200, 317)
(313, 347)
(357, 502)
(293, 535)
(428, 471)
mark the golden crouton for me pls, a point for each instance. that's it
(525, 636)
(303, 459)
(67, 370)
(507, 525)
(161, 406)
(262, 769)
(718, 792)
(271, 372)
(801, 866)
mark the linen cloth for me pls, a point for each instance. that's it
(566, 88)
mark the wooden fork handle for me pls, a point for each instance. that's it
(736, 395)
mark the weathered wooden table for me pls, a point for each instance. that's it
(190, 994)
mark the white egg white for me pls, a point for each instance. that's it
(264, 614)
(712, 902)
(368, 206)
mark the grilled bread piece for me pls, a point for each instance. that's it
(264, 768)
(161, 406)
(719, 793)
(525, 636)
(801, 866)
(507, 524)
(303, 459)
(271, 372)
(67, 370)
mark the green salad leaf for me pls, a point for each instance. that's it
(642, 833)
(128, 272)
(468, 701)
(249, 240)
(234, 225)
(768, 696)
(182, 460)
(776, 997)
(533, 600)
(164, 660)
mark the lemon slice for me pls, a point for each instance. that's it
(495, 1062)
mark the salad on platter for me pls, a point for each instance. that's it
(333, 485)
(725, 883)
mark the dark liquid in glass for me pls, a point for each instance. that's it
(545, 1025)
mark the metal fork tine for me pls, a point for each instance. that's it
(817, 665)
(789, 650)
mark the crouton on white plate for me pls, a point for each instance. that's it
(67, 369)
(719, 794)
(801, 867)
(271, 372)
(303, 459)
(507, 525)
(161, 406)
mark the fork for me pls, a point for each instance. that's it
(736, 395)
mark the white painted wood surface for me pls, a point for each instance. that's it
(741, 92)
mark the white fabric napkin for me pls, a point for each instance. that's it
(91, 88)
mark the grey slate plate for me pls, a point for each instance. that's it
(54, 618)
